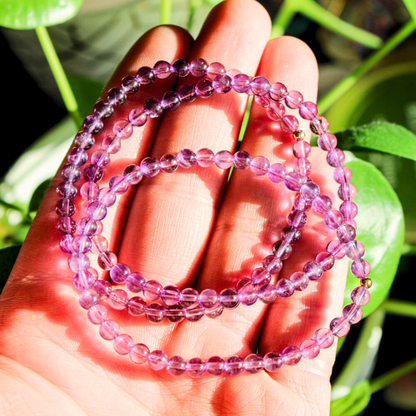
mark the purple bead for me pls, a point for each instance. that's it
(189, 297)
(136, 306)
(66, 190)
(205, 157)
(157, 360)
(294, 181)
(155, 313)
(323, 337)
(116, 97)
(186, 158)
(278, 91)
(215, 311)
(260, 86)
(170, 101)
(326, 260)
(309, 349)
(360, 296)
(333, 219)
(119, 273)
(282, 249)
(107, 197)
(89, 191)
(168, 163)
(234, 365)
(81, 244)
(139, 353)
(180, 68)
(337, 249)
(244, 281)
(195, 368)
(198, 67)
(262, 101)
(92, 124)
(99, 244)
(289, 124)
(349, 210)
(79, 262)
(77, 156)
(87, 226)
(130, 84)
(66, 225)
(327, 141)
(122, 344)
(152, 290)
(291, 355)
(294, 99)
(109, 330)
(194, 312)
(92, 173)
(145, 75)
(345, 233)
(176, 366)
(118, 299)
(267, 293)
(204, 88)
(347, 192)
(335, 157)
(214, 69)
(137, 117)
(360, 268)
(84, 279)
(71, 173)
(84, 140)
(302, 204)
(284, 288)
(241, 160)
(122, 129)
(322, 204)
(352, 313)
(253, 364)
(153, 108)
(229, 298)
(259, 165)
(313, 270)
(171, 295)
(303, 166)
(97, 211)
(241, 83)
(301, 149)
(275, 111)
(300, 280)
(187, 93)
(208, 298)
(215, 366)
(161, 69)
(101, 158)
(272, 361)
(272, 264)
(342, 174)
(310, 191)
(103, 288)
(319, 125)
(297, 219)
(308, 110)
(339, 327)
(97, 314)
(222, 83)
(175, 314)
(133, 174)
(88, 298)
(150, 167)
(277, 172)
(223, 159)
(260, 276)
(135, 282)
(290, 234)
(247, 294)
(103, 109)
(106, 260)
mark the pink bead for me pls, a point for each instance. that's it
(103, 109)
(284, 288)
(360, 268)
(84, 140)
(198, 67)
(267, 293)
(310, 191)
(300, 280)
(78, 262)
(335, 157)
(71, 173)
(66, 244)
(103, 288)
(360, 296)
(247, 294)
(337, 249)
(277, 172)
(261, 275)
(342, 174)
(327, 142)
(186, 158)
(302, 204)
(170, 101)
(176, 366)
(319, 125)
(97, 211)
(352, 313)
(189, 297)
(171, 295)
(205, 158)
(136, 306)
(346, 233)
(282, 249)
(116, 97)
(194, 313)
(223, 159)
(118, 299)
(66, 225)
(157, 360)
(119, 273)
(152, 290)
(313, 270)
(208, 298)
(155, 313)
(77, 156)
(241, 160)
(291, 355)
(322, 204)
(135, 282)
(161, 69)
(187, 93)
(290, 235)
(92, 124)
(175, 314)
(339, 327)
(133, 174)
(297, 219)
(222, 83)
(253, 364)
(81, 244)
(278, 91)
(333, 219)
(89, 191)
(259, 165)
(130, 84)
(272, 362)
(275, 111)
(145, 75)
(294, 181)
(308, 110)
(229, 298)
(309, 349)
(97, 314)
(106, 260)
(323, 337)
(118, 184)
(139, 353)
(88, 298)
(150, 167)
(301, 149)
(347, 192)
(326, 260)
(84, 279)
(260, 85)
(215, 366)
(122, 344)
(289, 124)
(107, 197)
(109, 330)
(241, 83)
(137, 117)
(204, 88)
(272, 264)
(122, 129)
(99, 244)
(195, 367)
(214, 69)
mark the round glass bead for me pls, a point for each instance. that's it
(308, 110)
(96, 211)
(100, 158)
(342, 174)
(294, 181)
(229, 298)
(92, 173)
(215, 366)
(66, 225)
(118, 299)
(66, 190)
(176, 366)
(70, 173)
(150, 167)
(84, 140)
(180, 68)
(347, 192)
(153, 108)
(195, 368)
(319, 125)
(77, 156)
(297, 219)
(89, 191)
(260, 86)
(189, 297)
(214, 69)
(339, 327)
(300, 280)
(170, 101)
(222, 83)
(152, 290)
(208, 298)
(327, 142)
(204, 88)
(122, 344)
(198, 67)
(88, 298)
(162, 70)
(345, 233)
(175, 314)
(284, 288)
(309, 349)
(137, 117)
(139, 353)
(275, 111)
(234, 365)
(81, 244)
(360, 296)
(333, 219)
(253, 364)
(119, 273)
(116, 97)
(267, 293)
(97, 314)
(223, 159)
(323, 337)
(134, 282)
(278, 91)
(170, 295)
(109, 330)
(272, 264)
(360, 268)
(133, 174)
(326, 260)
(313, 270)
(92, 124)
(247, 294)
(79, 262)
(157, 360)
(103, 109)
(187, 93)
(107, 197)
(352, 313)
(335, 157)
(145, 75)
(272, 362)
(309, 191)
(294, 99)
(259, 165)
(261, 276)
(186, 158)
(130, 84)
(194, 313)
(337, 249)
(302, 204)
(289, 124)
(122, 129)
(136, 306)
(277, 172)
(282, 249)
(205, 157)
(155, 313)
(106, 260)
(241, 83)
(99, 244)
(301, 149)
(291, 355)
(290, 234)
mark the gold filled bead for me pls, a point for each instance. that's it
(299, 135)
(367, 283)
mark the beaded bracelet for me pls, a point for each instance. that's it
(188, 303)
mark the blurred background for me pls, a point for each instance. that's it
(361, 81)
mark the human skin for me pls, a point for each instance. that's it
(188, 229)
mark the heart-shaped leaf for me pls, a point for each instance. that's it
(380, 227)
(38, 195)
(381, 136)
(28, 14)
(86, 92)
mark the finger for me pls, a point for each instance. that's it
(255, 209)
(177, 211)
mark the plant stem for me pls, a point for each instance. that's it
(384, 380)
(283, 18)
(411, 8)
(12, 206)
(399, 307)
(194, 5)
(165, 12)
(343, 86)
(59, 74)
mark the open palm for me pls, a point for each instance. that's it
(191, 229)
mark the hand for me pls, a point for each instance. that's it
(188, 229)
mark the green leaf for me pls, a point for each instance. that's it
(8, 257)
(354, 402)
(28, 14)
(38, 195)
(381, 136)
(380, 227)
(86, 92)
